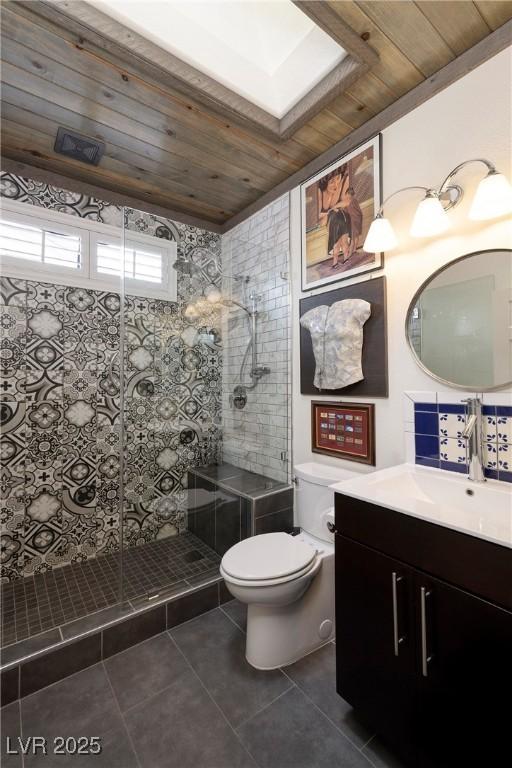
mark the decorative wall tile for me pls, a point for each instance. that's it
(43, 527)
(45, 341)
(79, 521)
(496, 436)
(491, 456)
(453, 450)
(451, 424)
(504, 457)
(56, 199)
(61, 387)
(108, 523)
(13, 326)
(44, 446)
(79, 384)
(43, 485)
(490, 433)
(12, 449)
(13, 291)
(80, 329)
(12, 531)
(504, 429)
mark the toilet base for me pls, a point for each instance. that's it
(280, 635)
(292, 661)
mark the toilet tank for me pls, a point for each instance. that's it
(314, 499)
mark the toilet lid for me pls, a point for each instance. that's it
(268, 556)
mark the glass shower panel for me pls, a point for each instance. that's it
(172, 398)
(60, 423)
(257, 361)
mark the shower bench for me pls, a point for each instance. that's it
(227, 504)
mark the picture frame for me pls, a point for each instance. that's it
(344, 430)
(338, 205)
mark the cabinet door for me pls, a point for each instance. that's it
(465, 677)
(375, 645)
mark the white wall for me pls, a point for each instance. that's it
(472, 118)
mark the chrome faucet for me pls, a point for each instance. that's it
(472, 434)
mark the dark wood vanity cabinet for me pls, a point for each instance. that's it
(427, 662)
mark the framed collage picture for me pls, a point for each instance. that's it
(345, 430)
(337, 208)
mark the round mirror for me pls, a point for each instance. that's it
(459, 323)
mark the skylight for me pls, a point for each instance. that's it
(267, 51)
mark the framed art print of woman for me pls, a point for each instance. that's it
(338, 206)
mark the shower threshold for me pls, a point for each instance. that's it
(44, 610)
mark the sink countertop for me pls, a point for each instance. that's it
(445, 498)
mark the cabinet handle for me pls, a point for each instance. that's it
(396, 639)
(425, 658)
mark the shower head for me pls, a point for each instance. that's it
(185, 266)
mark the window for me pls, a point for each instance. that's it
(145, 263)
(30, 239)
(77, 251)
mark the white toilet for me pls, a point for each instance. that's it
(288, 581)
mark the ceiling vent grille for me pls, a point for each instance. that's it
(79, 147)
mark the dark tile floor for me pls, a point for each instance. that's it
(188, 699)
(36, 604)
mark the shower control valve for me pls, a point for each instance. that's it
(239, 397)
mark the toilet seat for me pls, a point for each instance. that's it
(269, 558)
(269, 582)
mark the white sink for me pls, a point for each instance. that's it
(445, 498)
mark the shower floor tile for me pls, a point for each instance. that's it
(36, 604)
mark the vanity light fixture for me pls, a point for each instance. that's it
(493, 198)
(430, 217)
(381, 236)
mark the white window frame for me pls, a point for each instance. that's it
(133, 286)
(90, 232)
(31, 268)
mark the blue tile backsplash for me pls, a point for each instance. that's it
(438, 439)
(426, 423)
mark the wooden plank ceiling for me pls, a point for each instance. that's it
(166, 149)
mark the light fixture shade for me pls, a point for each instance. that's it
(381, 236)
(212, 294)
(493, 198)
(191, 312)
(202, 306)
(430, 218)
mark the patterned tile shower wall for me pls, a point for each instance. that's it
(257, 438)
(60, 407)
